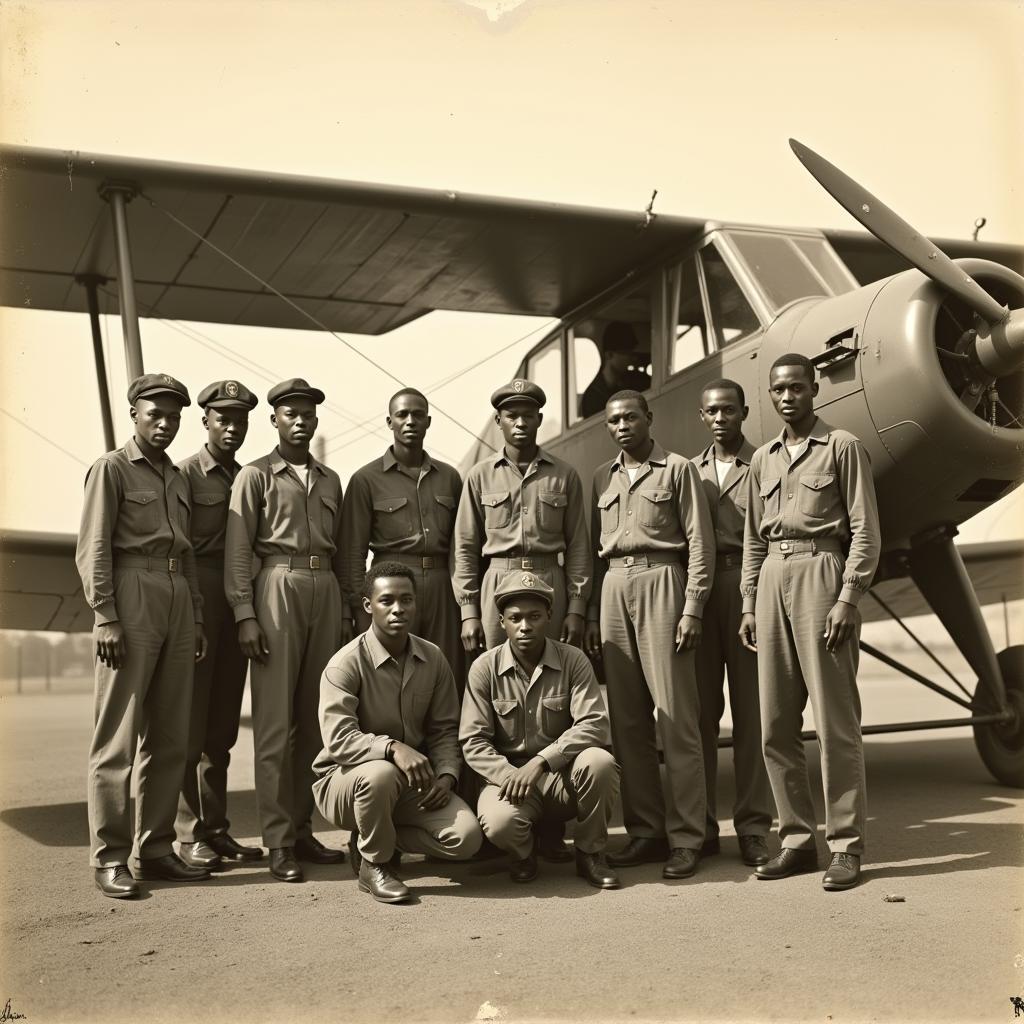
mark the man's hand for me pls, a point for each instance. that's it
(202, 646)
(688, 633)
(516, 788)
(111, 647)
(572, 630)
(346, 631)
(592, 640)
(472, 636)
(413, 765)
(253, 641)
(748, 631)
(439, 794)
(840, 625)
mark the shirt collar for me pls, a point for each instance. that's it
(501, 458)
(743, 456)
(379, 656)
(550, 658)
(134, 452)
(658, 457)
(278, 463)
(207, 462)
(389, 461)
(819, 434)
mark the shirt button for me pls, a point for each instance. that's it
(427, 530)
(790, 495)
(627, 533)
(630, 512)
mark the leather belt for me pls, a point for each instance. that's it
(801, 547)
(728, 560)
(317, 563)
(530, 562)
(423, 562)
(152, 564)
(652, 558)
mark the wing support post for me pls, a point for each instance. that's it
(119, 195)
(91, 284)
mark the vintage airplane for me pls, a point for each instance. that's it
(925, 365)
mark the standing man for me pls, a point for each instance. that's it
(655, 563)
(138, 575)
(389, 718)
(202, 824)
(286, 512)
(723, 469)
(535, 728)
(402, 507)
(810, 549)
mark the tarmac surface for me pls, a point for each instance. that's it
(473, 947)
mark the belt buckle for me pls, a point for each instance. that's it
(527, 563)
(314, 561)
(172, 565)
(784, 545)
(428, 562)
(629, 560)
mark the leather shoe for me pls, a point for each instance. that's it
(312, 851)
(551, 845)
(711, 846)
(381, 884)
(224, 846)
(199, 855)
(842, 873)
(524, 870)
(594, 868)
(681, 863)
(116, 882)
(788, 862)
(355, 858)
(169, 868)
(754, 850)
(639, 850)
(284, 867)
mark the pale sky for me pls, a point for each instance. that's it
(589, 102)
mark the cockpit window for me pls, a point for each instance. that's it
(731, 315)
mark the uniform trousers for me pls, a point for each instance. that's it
(553, 576)
(585, 790)
(216, 707)
(651, 685)
(375, 799)
(146, 702)
(721, 651)
(300, 613)
(794, 595)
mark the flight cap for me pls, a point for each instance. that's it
(226, 394)
(150, 384)
(296, 387)
(519, 390)
(522, 584)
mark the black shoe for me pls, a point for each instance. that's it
(524, 870)
(116, 882)
(169, 868)
(224, 846)
(788, 862)
(594, 868)
(551, 845)
(355, 858)
(681, 863)
(312, 851)
(754, 850)
(381, 884)
(199, 855)
(284, 867)
(639, 850)
(711, 846)
(842, 873)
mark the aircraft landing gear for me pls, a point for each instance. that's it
(1001, 744)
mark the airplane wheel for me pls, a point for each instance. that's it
(1002, 745)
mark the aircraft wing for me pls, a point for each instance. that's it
(361, 258)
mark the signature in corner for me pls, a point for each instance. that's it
(1018, 1005)
(9, 1014)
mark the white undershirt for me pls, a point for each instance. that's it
(632, 471)
(722, 469)
(796, 450)
(303, 472)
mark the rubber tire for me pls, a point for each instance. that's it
(1002, 746)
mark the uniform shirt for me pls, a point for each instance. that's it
(390, 509)
(506, 514)
(210, 488)
(271, 512)
(508, 718)
(367, 700)
(132, 508)
(662, 511)
(827, 493)
(728, 503)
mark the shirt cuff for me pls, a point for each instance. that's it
(197, 615)
(555, 758)
(244, 611)
(105, 613)
(378, 749)
(694, 608)
(576, 606)
(749, 604)
(469, 611)
(849, 595)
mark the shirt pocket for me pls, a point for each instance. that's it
(392, 519)
(656, 510)
(818, 495)
(506, 721)
(551, 512)
(555, 716)
(444, 508)
(497, 509)
(209, 514)
(328, 514)
(141, 512)
(770, 493)
(608, 505)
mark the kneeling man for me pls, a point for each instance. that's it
(534, 727)
(389, 717)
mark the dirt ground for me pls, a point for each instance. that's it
(721, 946)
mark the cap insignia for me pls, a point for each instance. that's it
(517, 386)
(231, 388)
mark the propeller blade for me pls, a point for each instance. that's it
(890, 228)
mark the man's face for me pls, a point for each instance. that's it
(519, 423)
(157, 419)
(391, 605)
(226, 428)
(409, 419)
(525, 621)
(792, 392)
(628, 424)
(723, 415)
(295, 420)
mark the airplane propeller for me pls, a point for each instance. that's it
(996, 346)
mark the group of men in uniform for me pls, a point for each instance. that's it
(744, 562)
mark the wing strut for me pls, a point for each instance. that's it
(119, 195)
(91, 283)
